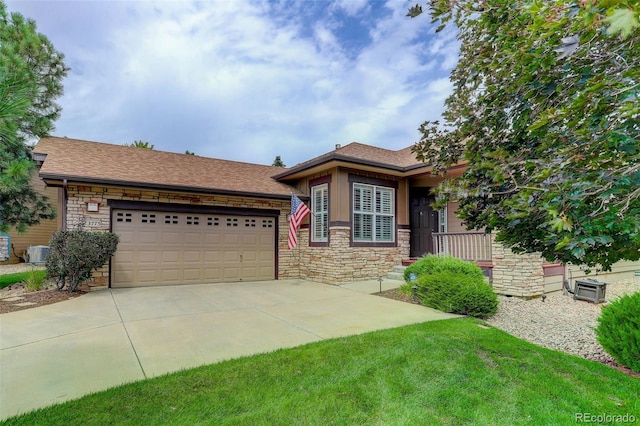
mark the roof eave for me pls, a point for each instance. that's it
(51, 179)
(298, 171)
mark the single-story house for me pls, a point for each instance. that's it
(189, 219)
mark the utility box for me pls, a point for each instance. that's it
(37, 255)
(590, 290)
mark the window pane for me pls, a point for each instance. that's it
(384, 228)
(362, 198)
(384, 201)
(362, 227)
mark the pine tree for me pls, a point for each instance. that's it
(31, 73)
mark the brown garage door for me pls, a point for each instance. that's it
(165, 248)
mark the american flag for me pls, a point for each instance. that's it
(298, 212)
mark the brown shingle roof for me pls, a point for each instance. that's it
(401, 158)
(84, 161)
(357, 153)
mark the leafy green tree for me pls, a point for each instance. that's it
(278, 162)
(545, 112)
(31, 73)
(140, 144)
(189, 152)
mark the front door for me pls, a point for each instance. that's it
(424, 222)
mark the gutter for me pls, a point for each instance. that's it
(172, 188)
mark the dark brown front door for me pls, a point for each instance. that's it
(424, 222)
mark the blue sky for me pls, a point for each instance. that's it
(246, 80)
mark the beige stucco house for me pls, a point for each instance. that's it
(189, 219)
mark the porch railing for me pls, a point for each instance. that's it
(471, 246)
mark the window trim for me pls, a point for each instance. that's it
(324, 240)
(323, 180)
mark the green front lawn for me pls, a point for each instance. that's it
(8, 279)
(445, 372)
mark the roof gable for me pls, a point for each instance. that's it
(358, 154)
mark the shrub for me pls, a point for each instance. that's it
(618, 330)
(458, 293)
(76, 254)
(432, 264)
(35, 280)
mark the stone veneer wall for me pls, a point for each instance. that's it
(79, 195)
(340, 263)
(335, 264)
(516, 274)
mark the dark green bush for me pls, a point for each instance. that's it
(74, 255)
(458, 293)
(432, 264)
(618, 330)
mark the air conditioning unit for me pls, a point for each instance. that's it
(37, 254)
(590, 290)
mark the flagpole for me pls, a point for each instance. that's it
(299, 262)
(294, 228)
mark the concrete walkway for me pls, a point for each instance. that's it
(108, 337)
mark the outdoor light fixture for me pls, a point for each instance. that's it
(93, 206)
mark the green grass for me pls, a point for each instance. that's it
(445, 372)
(8, 279)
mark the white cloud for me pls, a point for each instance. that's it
(246, 80)
(351, 7)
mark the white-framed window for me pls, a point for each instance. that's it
(373, 213)
(442, 219)
(320, 213)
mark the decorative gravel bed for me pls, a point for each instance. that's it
(560, 322)
(18, 267)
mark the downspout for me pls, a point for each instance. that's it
(65, 197)
(567, 285)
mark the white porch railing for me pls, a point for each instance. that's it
(471, 246)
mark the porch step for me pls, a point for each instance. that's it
(397, 273)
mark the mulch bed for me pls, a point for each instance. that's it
(33, 299)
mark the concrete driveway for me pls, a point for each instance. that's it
(108, 337)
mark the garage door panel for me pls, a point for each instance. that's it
(212, 274)
(192, 274)
(265, 256)
(231, 238)
(169, 237)
(193, 238)
(231, 256)
(231, 274)
(191, 256)
(126, 237)
(148, 256)
(170, 275)
(148, 275)
(211, 239)
(170, 257)
(249, 239)
(249, 256)
(249, 274)
(148, 237)
(181, 248)
(213, 256)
